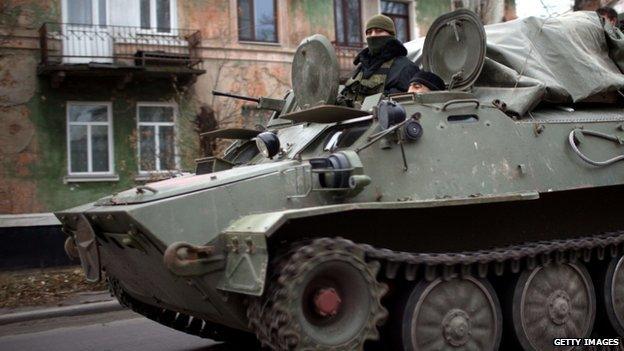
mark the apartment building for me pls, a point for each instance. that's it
(99, 95)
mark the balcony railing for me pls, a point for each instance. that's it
(68, 44)
(346, 54)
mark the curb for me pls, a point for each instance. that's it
(66, 311)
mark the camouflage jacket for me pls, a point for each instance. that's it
(388, 73)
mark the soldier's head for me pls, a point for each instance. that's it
(609, 15)
(424, 82)
(380, 25)
(379, 31)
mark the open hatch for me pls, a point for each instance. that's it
(454, 48)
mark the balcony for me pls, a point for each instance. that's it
(346, 54)
(119, 51)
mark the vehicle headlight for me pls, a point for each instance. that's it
(338, 171)
(268, 143)
(390, 113)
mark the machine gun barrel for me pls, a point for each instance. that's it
(241, 97)
(263, 102)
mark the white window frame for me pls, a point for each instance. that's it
(111, 153)
(95, 12)
(173, 15)
(176, 156)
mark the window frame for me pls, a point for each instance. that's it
(345, 26)
(95, 13)
(111, 150)
(176, 156)
(153, 29)
(406, 16)
(253, 20)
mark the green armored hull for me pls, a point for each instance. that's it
(414, 222)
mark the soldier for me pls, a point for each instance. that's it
(424, 82)
(382, 67)
(609, 15)
(610, 22)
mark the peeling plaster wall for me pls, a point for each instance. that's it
(20, 140)
(251, 78)
(33, 115)
(306, 17)
(51, 121)
(28, 13)
(255, 69)
(217, 20)
(33, 145)
(33, 142)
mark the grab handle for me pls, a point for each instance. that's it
(461, 101)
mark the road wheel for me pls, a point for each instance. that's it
(614, 294)
(324, 296)
(454, 314)
(554, 301)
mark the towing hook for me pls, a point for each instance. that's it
(184, 259)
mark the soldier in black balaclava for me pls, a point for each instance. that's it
(382, 67)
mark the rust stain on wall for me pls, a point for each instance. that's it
(18, 152)
(28, 13)
(17, 79)
(19, 196)
(23, 162)
(16, 129)
(307, 17)
(211, 17)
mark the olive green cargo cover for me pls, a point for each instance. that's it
(559, 60)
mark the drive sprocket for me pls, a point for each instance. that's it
(323, 295)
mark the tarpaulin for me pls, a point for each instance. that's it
(559, 60)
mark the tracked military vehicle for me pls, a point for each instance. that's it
(439, 221)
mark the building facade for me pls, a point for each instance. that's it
(94, 97)
(99, 95)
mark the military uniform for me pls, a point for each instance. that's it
(392, 76)
(382, 67)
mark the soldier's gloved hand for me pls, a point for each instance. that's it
(342, 100)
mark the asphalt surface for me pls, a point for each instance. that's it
(118, 331)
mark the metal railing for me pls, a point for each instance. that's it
(68, 43)
(346, 54)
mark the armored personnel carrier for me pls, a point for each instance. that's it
(438, 221)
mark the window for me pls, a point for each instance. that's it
(158, 14)
(348, 22)
(90, 138)
(156, 128)
(399, 12)
(85, 36)
(257, 20)
(86, 12)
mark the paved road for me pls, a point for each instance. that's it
(118, 331)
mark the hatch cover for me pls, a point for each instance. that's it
(315, 72)
(454, 48)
